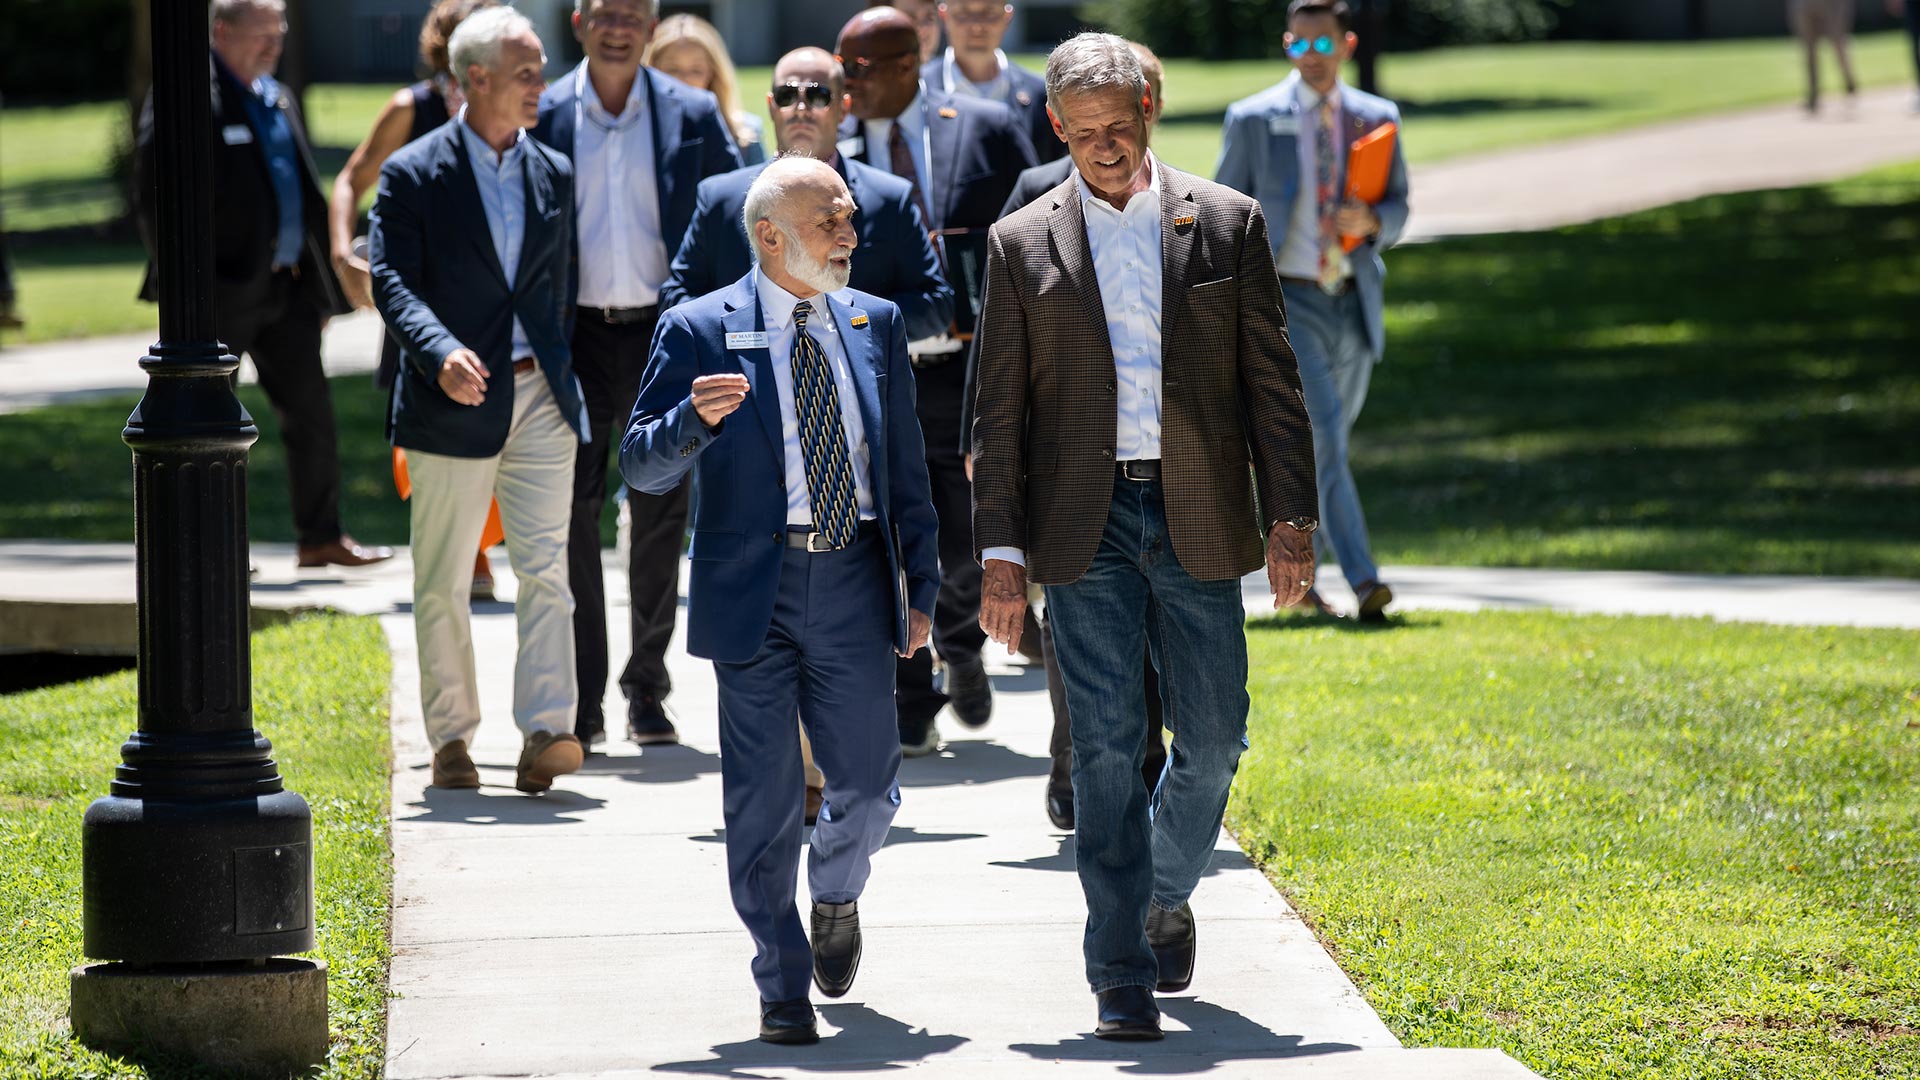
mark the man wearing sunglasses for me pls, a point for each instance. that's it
(1288, 148)
(974, 66)
(963, 156)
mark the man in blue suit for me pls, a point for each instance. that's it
(640, 144)
(962, 155)
(972, 65)
(472, 231)
(1287, 147)
(813, 562)
(896, 260)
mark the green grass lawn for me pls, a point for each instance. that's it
(1631, 849)
(53, 161)
(1723, 385)
(320, 693)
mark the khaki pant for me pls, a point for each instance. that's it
(532, 477)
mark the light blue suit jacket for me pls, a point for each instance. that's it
(1260, 156)
(740, 468)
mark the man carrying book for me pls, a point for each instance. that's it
(1293, 147)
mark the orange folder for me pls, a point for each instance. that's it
(490, 535)
(1368, 165)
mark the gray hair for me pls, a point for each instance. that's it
(768, 191)
(581, 7)
(232, 11)
(1093, 63)
(478, 38)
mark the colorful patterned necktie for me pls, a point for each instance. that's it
(1334, 268)
(823, 439)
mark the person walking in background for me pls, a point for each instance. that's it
(640, 142)
(1912, 9)
(962, 155)
(273, 283)
(825, 458)
(1831, 20)
(409, 114)
(471, 250)
(1288, 147)
(974, 66)
(688, 48)
(926, 23)
(1137, 402)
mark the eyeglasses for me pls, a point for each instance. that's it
(860, 67)
(1299, 47)
(615, 20)
(790, 94)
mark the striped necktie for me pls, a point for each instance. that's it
(823, 439)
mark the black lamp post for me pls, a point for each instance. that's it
(1371, 25)
(197, 870)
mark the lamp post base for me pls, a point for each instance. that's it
(263, 1018)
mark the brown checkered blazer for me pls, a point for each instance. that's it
(1046, 406)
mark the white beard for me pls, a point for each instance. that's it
(819, 275)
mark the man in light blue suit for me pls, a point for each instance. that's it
(814, 562)
(1276, 149)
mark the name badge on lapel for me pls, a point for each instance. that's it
(857, 321)
(1183, 222)
(747, 339)
(236, 134)
(1283, 124)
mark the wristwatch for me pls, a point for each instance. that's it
(1303, 524)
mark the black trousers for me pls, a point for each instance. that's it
(1060, 745)
(281, 333)
(956, 614)
(609, 359)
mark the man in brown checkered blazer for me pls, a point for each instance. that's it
(1136, 388)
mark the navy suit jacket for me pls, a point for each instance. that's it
(439, 286)
(740, 470)
(978, 148)
(690, 143)
(895, 259)
(1029, 104)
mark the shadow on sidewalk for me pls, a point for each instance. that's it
(898, 834)
(1063, 861)
(1214, 1036)
(969, 761)
(867, 1041)
(499, 804)
(655, 765)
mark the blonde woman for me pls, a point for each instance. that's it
(688, 48)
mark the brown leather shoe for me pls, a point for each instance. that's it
(453, 768)
(546, 756)
(1317, 604)
(1374, 597)
(482, 590)
(343, 552)
(814, 798)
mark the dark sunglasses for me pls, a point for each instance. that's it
(1299, 47)
(789, 94)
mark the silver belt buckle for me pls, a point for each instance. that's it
(816, 542)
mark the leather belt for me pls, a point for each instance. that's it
(524, 365)
(1346, 284)
(624, 316)
(802, 538)
(1140, 469)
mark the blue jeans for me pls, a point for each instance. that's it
(1134, 596)
(1329, 335)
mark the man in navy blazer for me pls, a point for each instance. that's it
(640, 144)
(972, 65)
(963, 155)
(1271, 151)
(813, 562)
(472, 232)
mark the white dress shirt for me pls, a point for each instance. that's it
(1300, 252)
(955, 81)
(913, 128)
(1125, 245)
(501, 178)
(776, 308)
(616, 197)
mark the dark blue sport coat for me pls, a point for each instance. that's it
(1029, 104)
(740, 468)
(978, 148)
(895, 259)
(439, 286)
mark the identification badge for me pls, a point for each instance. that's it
(1182, 222)
(236, 134)
(1283, 124)
(751, 339)
(857, 321)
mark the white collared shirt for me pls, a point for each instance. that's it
(776, 309)
(913, 128)
(501, 178)
(955, 81)
(1125, 245)
(1300, 252)
(616, 198)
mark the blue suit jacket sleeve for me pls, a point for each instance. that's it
(911, 496)
(924, 297)
(718, 152)
(665, 435)
(397, 252)
(692, 272)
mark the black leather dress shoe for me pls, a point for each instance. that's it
(836, 947)
(1060, 809)
(789, 1023)
(970, 692)
(1128, 1012)
(1172, 936)
(647, 722)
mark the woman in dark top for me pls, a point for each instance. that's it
(410, 113)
